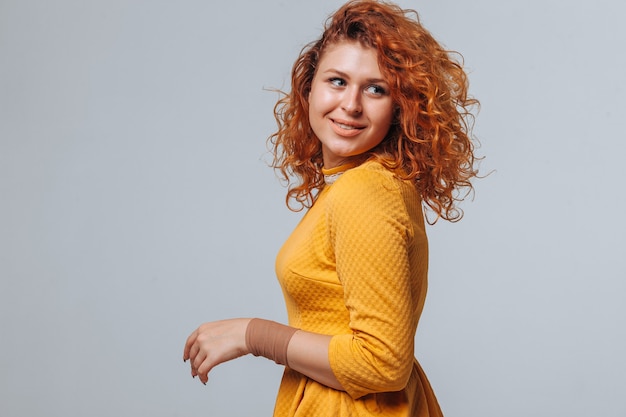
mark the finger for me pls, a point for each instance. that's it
(197, 362)
(190, 341)
(193, 355)
(203, 370)
(193, 351)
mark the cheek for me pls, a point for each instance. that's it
(315, 112)
(316, 101)
(321, 99)
(385, 118)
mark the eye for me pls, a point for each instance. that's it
(337, 82)
(376, 90)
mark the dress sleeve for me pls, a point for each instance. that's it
(371, 234)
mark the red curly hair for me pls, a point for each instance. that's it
(429, 141)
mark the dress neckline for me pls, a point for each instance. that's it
(332, 174)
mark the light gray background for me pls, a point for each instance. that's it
(136, 203)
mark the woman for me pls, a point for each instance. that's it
(375, 128)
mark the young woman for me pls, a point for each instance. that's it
(375, 129)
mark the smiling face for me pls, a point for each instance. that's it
(350, 109)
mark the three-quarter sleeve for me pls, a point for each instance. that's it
(372, 236)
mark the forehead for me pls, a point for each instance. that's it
(349, 56)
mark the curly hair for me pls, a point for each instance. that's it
(429, 141)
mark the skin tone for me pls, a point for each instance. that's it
(221, 341)
(350, 109)
(350, 112)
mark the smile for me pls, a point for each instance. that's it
(344, 128)
(347, 127)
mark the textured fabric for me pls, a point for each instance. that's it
(269, 339)
(355, 268)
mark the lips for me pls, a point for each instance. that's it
(346, 128)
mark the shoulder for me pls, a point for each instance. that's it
(370, 187)
(372, 180)
(370, 174)
(371, 197)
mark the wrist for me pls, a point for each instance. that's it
(268, 339)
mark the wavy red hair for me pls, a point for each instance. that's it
(430, 138)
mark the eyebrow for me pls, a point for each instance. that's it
(344, 75)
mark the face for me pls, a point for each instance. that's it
(350, 108)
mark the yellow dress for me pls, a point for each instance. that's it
(355, 267)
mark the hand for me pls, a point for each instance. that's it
(214, 343)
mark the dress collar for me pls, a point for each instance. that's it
(332, 174)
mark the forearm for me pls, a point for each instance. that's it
(302, 351)
(308, 354)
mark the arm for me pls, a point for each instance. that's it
(308, 354)
(371, 236)
(217, 342)
(382, 268)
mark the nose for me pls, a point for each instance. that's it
(352, 102)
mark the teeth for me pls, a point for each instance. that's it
(347, 127)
